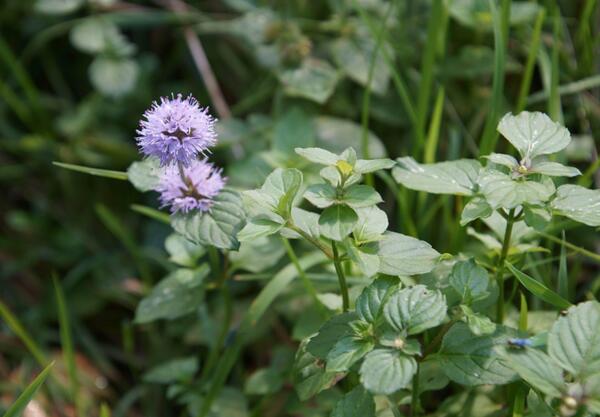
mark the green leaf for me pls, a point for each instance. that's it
(356, 403)
(578, 203)
(263, 381)
(538, 369)
(372, 224)
(473, 360)
(477, 208)
(500, 190)
(258, 255)
(293, 129)
(469, 280)
(283, 185)
(346, 352)
(478, 323)
(314, 80)
(258, 227)
(405, 255)
(369, 303)
(360, 196)
(97, 35)
(113, 77)
(365, 257)
(331, 129)
(183, 252)
(385, 371)
(57, 6)
(538, 289)
(553, 169)
(415, 309)
(354, 55)
(306, 221)
(574, 340)
(17, 408)
(336, 222)
(309, 375)
(218, 227)
(180, 293)
(504, 160)
(107, 173)
(332, 331)
(537, 217)
(365, 166)
(145, 175)
(321, 195)
(451, 177)
(174, 370)
(477, 13)
(534, 134)
(318, 155)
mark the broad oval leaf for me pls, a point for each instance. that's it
(346, 352)
(314, 80)
(218, 227)
(336, 222)
(578, 203)
(144, 175)
(114, 77)
(534, 134)
(574, 340)
(369, 303)
(180, 293)
(309, 375)
(365, 166)
(258, 227)
(473, 360)
(318, 155)
(360, 196)
(321, 195)
(477, 208)
(500, 190)
(356, 403)
(372, 223)
(415, 309)
(451, 177)
(332, 331)
(469, 280)
(537, 369)
(385, 371)
(405, 255)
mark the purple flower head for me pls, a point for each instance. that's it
(190, 188)
(176, 130)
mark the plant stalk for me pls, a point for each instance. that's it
(341, 277)
(500, 266)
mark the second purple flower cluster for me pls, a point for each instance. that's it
(179, 133)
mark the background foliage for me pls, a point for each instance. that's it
(427, 79)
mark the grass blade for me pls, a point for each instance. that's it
(554, 106)
(15, 325)
(523, 311)
(501, 27)
(107, 173)
(538, 289)
(434, 128)
(258, 307)
(531, 58)
(427, 67)
(66, 342)
(122, 233)
(563, 278)
(17, 408)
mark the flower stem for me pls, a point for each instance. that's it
(341, 277)
(510, 219)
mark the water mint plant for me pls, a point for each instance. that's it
(363, 209)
